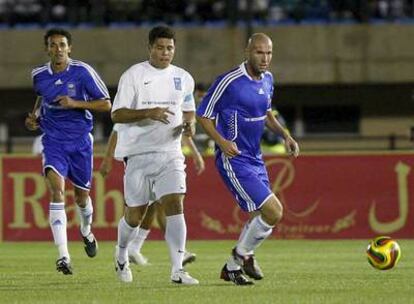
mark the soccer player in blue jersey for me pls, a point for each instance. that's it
(67, 90)
(233, 113)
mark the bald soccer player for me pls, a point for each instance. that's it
(233, 113)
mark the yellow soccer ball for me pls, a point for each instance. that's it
(383, 253)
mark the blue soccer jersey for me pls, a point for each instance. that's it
(239, 105)
(78, 81)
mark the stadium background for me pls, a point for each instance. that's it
(344, 84)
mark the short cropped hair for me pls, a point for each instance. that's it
(58, 31)
(160, 32)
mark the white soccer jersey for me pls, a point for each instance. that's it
(143, 86)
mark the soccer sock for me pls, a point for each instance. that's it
(85, 215)
(125, 234)
(175, 235)
(257, 231)
(57, 221)
(244, 229)
(139, 239)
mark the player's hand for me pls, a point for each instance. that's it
(66, 102)
(159, 114)
(189, 128)
(105, 168)
(199, 164)
(292, 146)
(31, 122)
(229, 148)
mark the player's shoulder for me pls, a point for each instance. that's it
(268, 75)
(230, 75)
(135, 70)
(80, 66)
(180, 71)
(39, 69)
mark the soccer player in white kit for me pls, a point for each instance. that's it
(153, 106)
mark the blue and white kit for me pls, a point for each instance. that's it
(239, 105)
(67, 142)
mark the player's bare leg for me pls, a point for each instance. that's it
(58, 219)
(175, 235)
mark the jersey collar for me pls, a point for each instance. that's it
(50, 70)
(244, 70)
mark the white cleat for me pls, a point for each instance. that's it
(137, 258)
(122, 270)
(182, 277)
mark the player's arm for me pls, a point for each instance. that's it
(106, 165)
(197, 158)
(228, 147)
(275, 126)
(124, 115)
(98, 105)
(189, 123)
(31, 121)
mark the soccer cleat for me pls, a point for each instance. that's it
(63, 265)
(137, 258)
(91, 244)
(122, 270)
(189, 257)
(182, 277)
(248, 264)
(235, 276)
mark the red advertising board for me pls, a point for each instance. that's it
(324, 197)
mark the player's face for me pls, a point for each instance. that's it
(162, 52)
(58, 49)
(259, 56)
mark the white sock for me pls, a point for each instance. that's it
(85, 215)
(244, 229)
(125, 234)
(57, 222)
(175, 235)
(139, 239)
(231, 264)
(257, 231)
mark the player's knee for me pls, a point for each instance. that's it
(272, 212)
(57, 195)
(133, 216)
(173, 204)
(81, 197)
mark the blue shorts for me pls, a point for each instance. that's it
(73, 160)
(246, 179)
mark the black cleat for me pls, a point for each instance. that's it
(63, 265)
(248, 264)
(189, 257)
(91, 247)
(235, 276)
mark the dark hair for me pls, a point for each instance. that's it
(160, 32)
(57, 31)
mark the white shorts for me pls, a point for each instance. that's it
(150, 176)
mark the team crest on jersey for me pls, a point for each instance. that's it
(71, 89)
(177, 83)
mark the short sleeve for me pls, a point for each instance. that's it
(95, 87)
(210, 103)
(125, 95)
(188, 102)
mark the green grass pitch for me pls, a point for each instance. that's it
(296, 271)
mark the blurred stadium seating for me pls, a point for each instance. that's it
(115, 12)
(350, 88)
